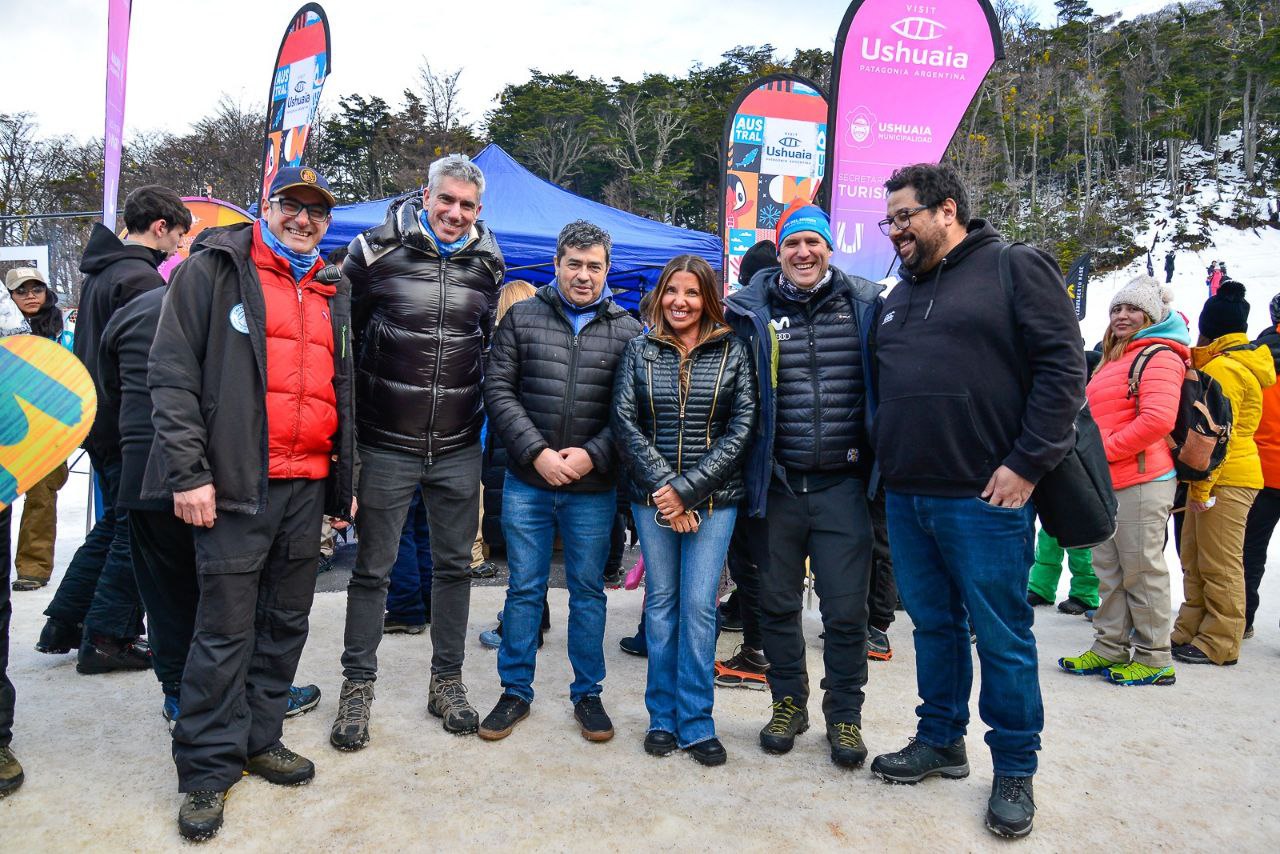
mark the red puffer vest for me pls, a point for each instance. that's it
(302, 408)
(1134, 428)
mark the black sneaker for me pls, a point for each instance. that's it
(1073, 606)
(11, 772)
(282, 766)
(486, 569)
(592, 719)
(57, 637)
(393, 626)
(613, 577)
(102, 654)
(1035, 600)
(499, 723)
(659, 742)
(746, 669)
(710, 752)
(918, 760)
(847, 749)
(1192, 654)
(788, 721)
(1011, 807)
(634, 646)
(200, 816)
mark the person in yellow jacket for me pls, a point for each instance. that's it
(1210, 622)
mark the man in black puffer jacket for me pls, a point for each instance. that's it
(549, 395)
(424, 288)
(806, 474)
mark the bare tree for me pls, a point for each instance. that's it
(557, 149)
(440, 96)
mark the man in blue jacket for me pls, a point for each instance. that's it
(806, 474)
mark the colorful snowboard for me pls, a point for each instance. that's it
(47, 405)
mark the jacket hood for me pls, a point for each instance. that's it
(105, 249)
(1172, 330)
(1257, 360)
(980, 233)
(756, 294)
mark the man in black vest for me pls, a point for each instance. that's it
(806, 474)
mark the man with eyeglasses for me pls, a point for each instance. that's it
(806, 475)
(549, 395)
(424, 290)
(250, 379)
(977, 400)
(96, 608)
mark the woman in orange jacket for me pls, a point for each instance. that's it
(1131, 626)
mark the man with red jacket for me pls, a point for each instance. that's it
(250, 377)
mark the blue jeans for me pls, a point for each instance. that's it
(682, 574)
(956, 560)
(530, 518)
(409, 596)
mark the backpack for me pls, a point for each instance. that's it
(1199, 438)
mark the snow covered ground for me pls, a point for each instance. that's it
(1184, 768)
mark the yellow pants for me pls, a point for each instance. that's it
(1212, 614)
(39, 527)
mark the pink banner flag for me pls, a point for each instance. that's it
(905, 72)
(117, 66)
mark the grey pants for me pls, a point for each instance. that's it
(257, 580)
(451, 489)
(1133, 580)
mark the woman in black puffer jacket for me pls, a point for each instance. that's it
(684, 406)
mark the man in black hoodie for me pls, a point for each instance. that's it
(98, 595)
(976, 402)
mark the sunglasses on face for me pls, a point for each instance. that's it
(24, 290)
(292, 207)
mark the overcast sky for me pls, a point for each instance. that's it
(184, 53)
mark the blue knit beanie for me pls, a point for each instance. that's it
(805, 218)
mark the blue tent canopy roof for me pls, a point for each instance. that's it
(526, 214)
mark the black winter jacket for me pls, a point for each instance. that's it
(123, 395)
(422, 322)
(208, 382)
(115, 272)
(694, 441)
(549, 388)
(952, 405)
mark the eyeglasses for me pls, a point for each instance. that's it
(292, 207)
(901, 220)
(23, 290)
(663, 523)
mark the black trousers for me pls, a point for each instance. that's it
(1257, 534)
(882, 600)
(257, 580)
(832, 528)
(750, 538)
(164, 561)
(8, 696)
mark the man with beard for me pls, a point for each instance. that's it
(977, 399)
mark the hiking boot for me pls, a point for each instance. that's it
(351, 727)
(393, 626)
(918, 761)
(659, 742)
(592, 719)
(1087, 663)
(486, 569)
(282, 766)
(1192, 654)
(499, 723)
(170, 711)
(1137, 673)
(847, 749)
(1073, 606)
(200, 815)
(11, 776)
(21, 585)
(302, 699)
(58, 637)
(634, 646)
(709, 753)
(1011, 807)
(100, 654)
(1035, 600)
(746, 669)
(878, 646)
(788, 721)
(447, 699)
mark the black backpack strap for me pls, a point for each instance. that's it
(1139, 364)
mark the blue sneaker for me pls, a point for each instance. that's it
(169, 711)
(302, 699)
(492, 638)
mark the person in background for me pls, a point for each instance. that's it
(1042, 584)
(1168, 266)
(1266, 507)
(684, 407)
(38, 529)
(1131, 625)
(1211, 621)
(409, 592)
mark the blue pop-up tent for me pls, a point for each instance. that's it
(526, 214)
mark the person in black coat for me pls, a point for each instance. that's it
(684, 407)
